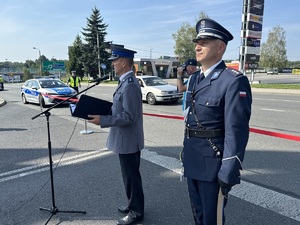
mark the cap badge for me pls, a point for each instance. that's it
(202, 23)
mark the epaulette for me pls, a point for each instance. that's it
(234, 71)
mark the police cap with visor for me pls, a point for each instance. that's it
(118, 51)
(191, 62)
(210, 29)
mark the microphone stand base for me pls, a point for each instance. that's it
(86, 132)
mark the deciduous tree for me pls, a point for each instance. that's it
(184, 47)
(273, 51)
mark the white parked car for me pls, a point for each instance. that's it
(272, 72)
(155, 89)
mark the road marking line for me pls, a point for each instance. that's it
(274, 110)
(263, 197)
(64, 162)
(268, 199)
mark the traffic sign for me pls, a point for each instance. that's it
(50, 65)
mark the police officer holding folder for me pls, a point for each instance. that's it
(126, 135)
(218, 108)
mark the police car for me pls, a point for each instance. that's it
(46, 91)
(154, 89)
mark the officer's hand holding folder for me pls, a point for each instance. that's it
(88, 105)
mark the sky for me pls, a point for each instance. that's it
(145, 26)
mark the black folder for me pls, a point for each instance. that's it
(88, 105)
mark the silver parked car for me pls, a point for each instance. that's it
(155, 89)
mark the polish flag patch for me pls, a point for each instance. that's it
(243, 94)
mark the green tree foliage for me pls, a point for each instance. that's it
(295, 64)
(273, 51)
(27, 75)
(184, 47)
(94, 34)
(75, 57)
(29, 64)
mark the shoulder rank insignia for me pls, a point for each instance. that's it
(130, 79)
(234, 71)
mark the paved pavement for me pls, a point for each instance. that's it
(254, 90)
(2, 102)
(89, 182)
(260, 77)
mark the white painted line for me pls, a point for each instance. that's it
(274, 110)
(263, 197)
(268, 199)
(38, 168)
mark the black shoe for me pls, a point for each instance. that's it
(123, 209)
(129, 219)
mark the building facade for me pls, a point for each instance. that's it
(165, 67)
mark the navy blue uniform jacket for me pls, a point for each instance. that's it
(222, 101)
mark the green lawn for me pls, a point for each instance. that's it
(277, 86)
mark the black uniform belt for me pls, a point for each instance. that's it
(204, 133)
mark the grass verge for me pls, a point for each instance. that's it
(277, 86)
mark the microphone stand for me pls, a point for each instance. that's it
(54, 210)
(86, 131)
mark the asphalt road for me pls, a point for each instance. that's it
(87, 177)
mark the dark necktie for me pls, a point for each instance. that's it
(201, 77)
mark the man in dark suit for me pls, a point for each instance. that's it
(217, 124)
(126, 135)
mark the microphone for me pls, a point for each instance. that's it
(98, 80)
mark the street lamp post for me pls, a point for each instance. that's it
(98, 51)
(40, 59)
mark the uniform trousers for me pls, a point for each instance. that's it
(130, 164)
(204, 200)
(76, 89)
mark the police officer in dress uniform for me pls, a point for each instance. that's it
(217, 124)
(126, 135)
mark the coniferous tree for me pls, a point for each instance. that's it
(94, 35)
(75, 57)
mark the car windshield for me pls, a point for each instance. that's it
(52, 83)
(154, 81)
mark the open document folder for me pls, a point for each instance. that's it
(88, 105)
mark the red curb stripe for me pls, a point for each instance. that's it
(164, 116)
(254, 130)
(275, 134)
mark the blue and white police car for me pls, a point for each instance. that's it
(46, 91)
